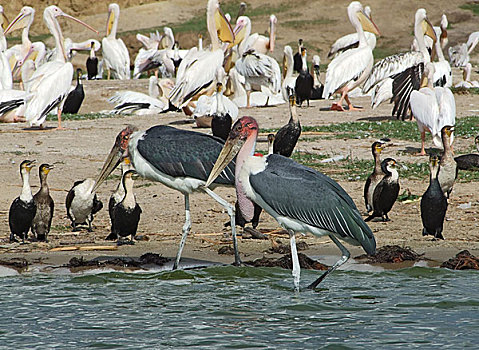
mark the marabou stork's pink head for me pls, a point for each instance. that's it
(245, 128)
(118, 152)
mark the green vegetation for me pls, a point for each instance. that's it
(465, 91)
(381, 52)
(86, 116)
(302, 24)
(472, 6)
(359, 169)
(393, 129)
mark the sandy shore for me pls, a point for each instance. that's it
(79, 152)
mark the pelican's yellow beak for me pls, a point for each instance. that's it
(424, 81)
(223, 27)
(285, 66)
(367, 23)
(239, 33)
(109, 22)
(428, 30)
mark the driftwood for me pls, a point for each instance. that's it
(462, 261)
(86, 248)
(392, 254)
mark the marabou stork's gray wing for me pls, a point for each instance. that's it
(183, 153)
(301, 193)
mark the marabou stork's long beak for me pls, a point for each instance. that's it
(231, 148)
(112, 161)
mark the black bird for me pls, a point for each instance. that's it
(22, 211)
(304, 82)
(82, 204)
(375, 176)
(297, 61)
(126, 214)
(92, 63)
(433, 204)
(116, 197)
(286, 138)
(469, 161)
(386, 192)
(45, 206)
(222, 121)
(270, 143)
(75, 97)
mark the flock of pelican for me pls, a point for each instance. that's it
(211, 83)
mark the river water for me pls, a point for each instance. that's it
(229, 307)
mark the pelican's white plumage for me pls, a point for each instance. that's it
(351, 68)
(260, 43)
(466, 78)
(115, 54)
(197, 71)
(51, 82)
(433, 108)
(287, 87)
(6, 81)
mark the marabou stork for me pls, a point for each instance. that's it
(179, 159)
(299, 198)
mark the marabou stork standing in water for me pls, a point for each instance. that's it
(299, 198)
(179, 159)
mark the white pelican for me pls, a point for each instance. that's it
(18, 52)
(433, 108)
(351, 68)
(51, 82)
(403, 68)
(217, 103)
(132, 102)
(287, 87)
(196, 72)
(442, 68)
(257, 69)
(115, 53)
(466, 78)
(260, 43)
(151, 42)
(352, 40)
(6, 81)
(263, 98)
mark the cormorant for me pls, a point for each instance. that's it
(375, 177)
(82, 203)
(45, 206)
(75, 97)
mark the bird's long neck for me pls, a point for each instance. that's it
(153, 88)
(359, 29)
(304, 63)
(377, 162)
(200, 44)
(289, 63)
(26, 195)
(419, 35)
(210, 23)
(56, 31)
(92, 53)
(316, 81)
(247, 32)
(43, 184)
(434, 170)
(245, 204)
(26, 43)
(447, 147)
(129, 199)
(440, 54)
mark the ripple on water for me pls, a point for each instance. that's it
(240, 307)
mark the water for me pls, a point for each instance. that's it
(229, 307)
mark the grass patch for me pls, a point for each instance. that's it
(360, 169)
(465, 91)
(381, 52)
(86, 116)
(474, 7)
(393, 129)
(302, 24)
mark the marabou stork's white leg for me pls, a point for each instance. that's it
(186, 230)
(344, 258)
(294, 259)
(231, 213)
